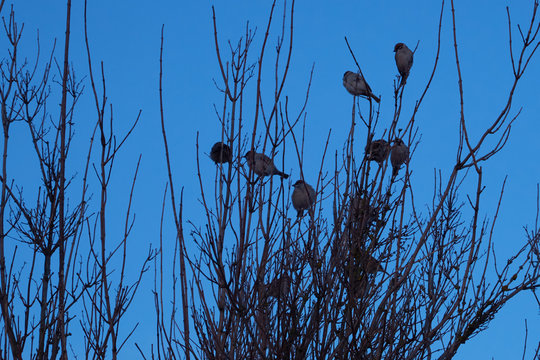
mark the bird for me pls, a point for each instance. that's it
(404, 61)
(279, 287)
(361, 211)
(356, 85)
(377, 150)
(303, 196)
(262, 165)
(399, 155)
(360, 271)
(221, 153)
(366, 262)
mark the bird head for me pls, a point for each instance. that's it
(381, 143)
(298, 183)
(398, 46)
(398, 141)
(347, 73)
(248, 154)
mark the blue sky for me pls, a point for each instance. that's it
(125, 36)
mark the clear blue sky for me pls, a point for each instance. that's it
(125, 36)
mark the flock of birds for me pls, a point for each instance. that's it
(303, 196)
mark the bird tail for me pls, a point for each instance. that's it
(403, 79)
(395, 171)
(375, 98)
(282, 174)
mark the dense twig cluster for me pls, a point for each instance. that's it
(356, 273)
(367, 277)
(56, 259)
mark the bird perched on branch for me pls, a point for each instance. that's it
(221, 153)
(360, 211)
(262, 165)
(399, 155)
(377, 150)
(404, 61)
(360, 271)
(303, 196)
(356, 85)
(366, 262)
(279, 287)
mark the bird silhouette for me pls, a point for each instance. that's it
(303, 197)
(356, 85)
(399, 155)
(404, 61)
(262, 165)
(377, 150)
(221, 153)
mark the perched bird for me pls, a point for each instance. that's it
(360, 271)
(404, 61)
(361, 211)
(377, 150)
(221, 299)
(399, 155)
(279, 287)
(221, 153)
(262, 165)
(356, 85)
(303, 196)
(366, 262)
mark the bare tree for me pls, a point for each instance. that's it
(361, 275)
(364, 275)
(46, 281)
